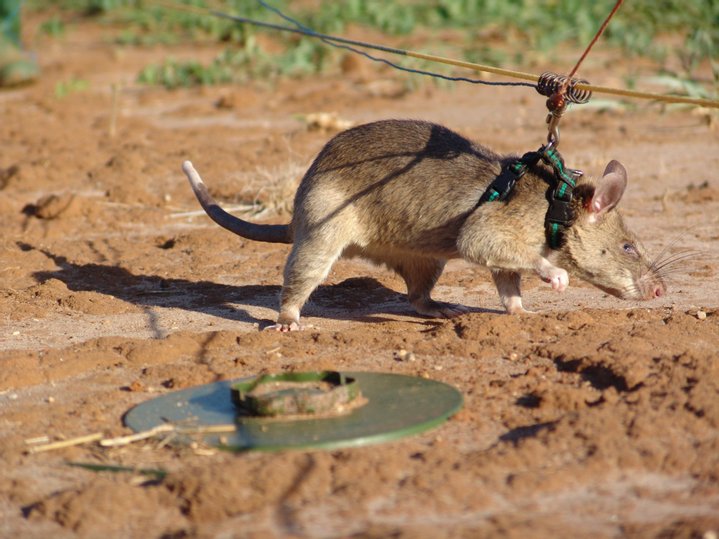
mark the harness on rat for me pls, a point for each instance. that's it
(560, 214)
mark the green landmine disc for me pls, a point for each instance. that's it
(371, 408)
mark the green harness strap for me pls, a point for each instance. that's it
(503, 184)
(559, 215)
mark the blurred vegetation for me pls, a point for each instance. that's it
(682, 30)
(71, 86)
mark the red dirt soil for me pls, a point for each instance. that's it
(595, 417)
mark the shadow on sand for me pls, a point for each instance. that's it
(358, 299)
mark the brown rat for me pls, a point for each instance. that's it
(405, 194)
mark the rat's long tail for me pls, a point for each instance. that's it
(251, 231)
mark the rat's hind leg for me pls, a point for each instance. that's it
(421, 274)
(307, 266)
(507, 283)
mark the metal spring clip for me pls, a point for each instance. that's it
(560, 91)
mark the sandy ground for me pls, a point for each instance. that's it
(595, 417)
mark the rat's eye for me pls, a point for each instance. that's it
(630, 249)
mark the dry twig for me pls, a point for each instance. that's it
(66, 443)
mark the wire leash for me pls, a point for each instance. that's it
(350, 44)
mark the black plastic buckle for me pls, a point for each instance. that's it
(503, 184)
(560, 211)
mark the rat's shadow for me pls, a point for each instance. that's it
(359, 299)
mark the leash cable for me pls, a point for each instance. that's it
(349, 44)
(305, 30)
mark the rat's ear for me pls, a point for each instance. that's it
(609, 189)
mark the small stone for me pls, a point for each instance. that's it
(404, 355)
(53, 206)
(326, 121)
(136, 385)
(701, 315)
(227, 102)
(50, 400)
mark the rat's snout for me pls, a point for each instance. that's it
(650, 286)
(659, 290)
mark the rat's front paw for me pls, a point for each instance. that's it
(549, 273)
(559, 279)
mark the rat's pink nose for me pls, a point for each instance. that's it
(658, 290)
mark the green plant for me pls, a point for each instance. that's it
(74, 85)
(54, 27)
(175, 74)
(703, 43)
(538, 25)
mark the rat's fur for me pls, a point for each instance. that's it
(404, 193)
